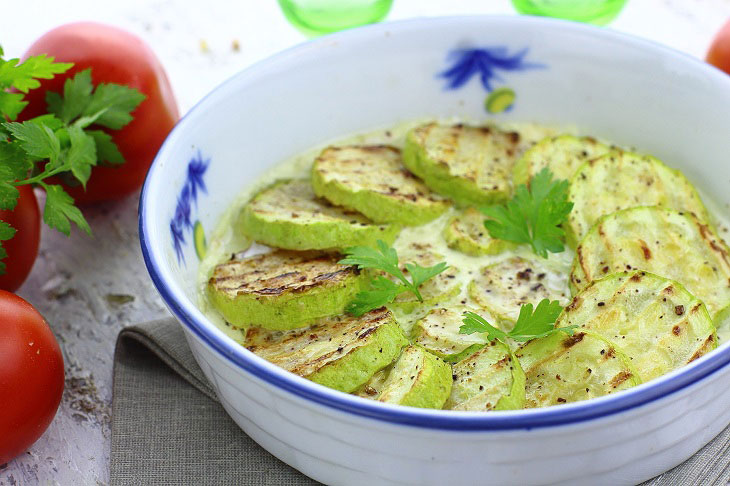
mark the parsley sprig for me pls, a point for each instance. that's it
(68, 141)
(383, 290)
(533, 215)
(530, 325)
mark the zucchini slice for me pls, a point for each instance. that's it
(673, 244)
(490, 379)
(371, 390)
(502, 288)
(438, 332)
(655, 321)
(371, 179)
(562, 154)
(471, 165)
(466, 233)
(417, 379)
(621, 180)
(283, 289)
(341, 352)
(288, 215)
(562, 369)
(435, 290)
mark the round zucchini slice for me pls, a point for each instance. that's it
(673, 244)
(562, 154)
(504, 287)
(471, 165)
(417, 379)
(438, 332)
(341, 352)
(283, 289)
(371, 179)
(466, 233)
(561, 369)
(654, 321)
(288, 215)
(490, 379)
(621, 180)
(435, 290)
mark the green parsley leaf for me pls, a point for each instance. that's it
(76, 97)
(533, 215)
(530, 325)
(36, 139)
(59, 211)
(14, 162)
(25, 76)
(56, 144)
(420, 274)
(11, 104)
(111, 105)
(6, 233)
(385, 258)
(9, 195)
(540, 323)
(82, 154)
(11, 162)
(475, 323)
(107, 151)
(49, 120)
(383, 292)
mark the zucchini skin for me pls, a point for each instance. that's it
(654, 239)
(279, 304)
(438, 332)
(562, 369)
(352, 371)
(621, 180)
(463, 178)
(401, 199)
(653, 320)
(465, 232)
(562, 154)
(425, 385)
(341, 352)
(283, 231)
(489, 379)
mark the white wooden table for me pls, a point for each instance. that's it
(89, 288)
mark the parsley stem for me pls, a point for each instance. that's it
(415, 290)
(43, 175)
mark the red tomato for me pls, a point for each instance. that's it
(22, 249)
(719, 53)
(31, 375)
(114, 56)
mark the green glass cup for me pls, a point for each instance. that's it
(318, 17)
(599, 12)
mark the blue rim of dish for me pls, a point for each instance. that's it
(431, 419)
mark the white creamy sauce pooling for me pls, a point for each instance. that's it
(225, 240)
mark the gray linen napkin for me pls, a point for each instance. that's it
(165, 431)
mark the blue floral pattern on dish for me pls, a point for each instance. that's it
(194, 185)
(486, 62)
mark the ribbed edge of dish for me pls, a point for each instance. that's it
(184, 309)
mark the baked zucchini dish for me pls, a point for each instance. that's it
(471, 267)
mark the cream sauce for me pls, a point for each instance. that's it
(225, 240)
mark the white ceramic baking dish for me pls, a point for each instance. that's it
(613, 86)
